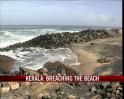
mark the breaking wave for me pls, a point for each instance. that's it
(35, 58)
(10, 37)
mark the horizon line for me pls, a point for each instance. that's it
(53, 25)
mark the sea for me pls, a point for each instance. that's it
(35, 58)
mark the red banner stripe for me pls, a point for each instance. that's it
(71, 79)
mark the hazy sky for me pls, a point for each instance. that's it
(61, 12)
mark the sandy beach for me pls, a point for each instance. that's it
(107, 48)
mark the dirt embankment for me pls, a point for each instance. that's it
(6, 64)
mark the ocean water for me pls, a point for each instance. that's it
(11, 35)
(35, 58)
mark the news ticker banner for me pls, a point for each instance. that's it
(54, 78)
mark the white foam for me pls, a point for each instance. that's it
(20, 35)
(9, 38)
(7, 33)
(37, 57)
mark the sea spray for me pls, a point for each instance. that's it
(35, 58)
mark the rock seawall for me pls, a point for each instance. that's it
(64, 39)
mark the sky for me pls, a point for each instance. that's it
(61, 12)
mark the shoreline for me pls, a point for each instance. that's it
(107, 48)
(89, 52)
(98, 57)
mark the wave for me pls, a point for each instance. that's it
(10, 37)
(35, 58)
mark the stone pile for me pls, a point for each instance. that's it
(64, 39)
(37, 90)
(49, 68)
(54, 90)
(103, 60)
